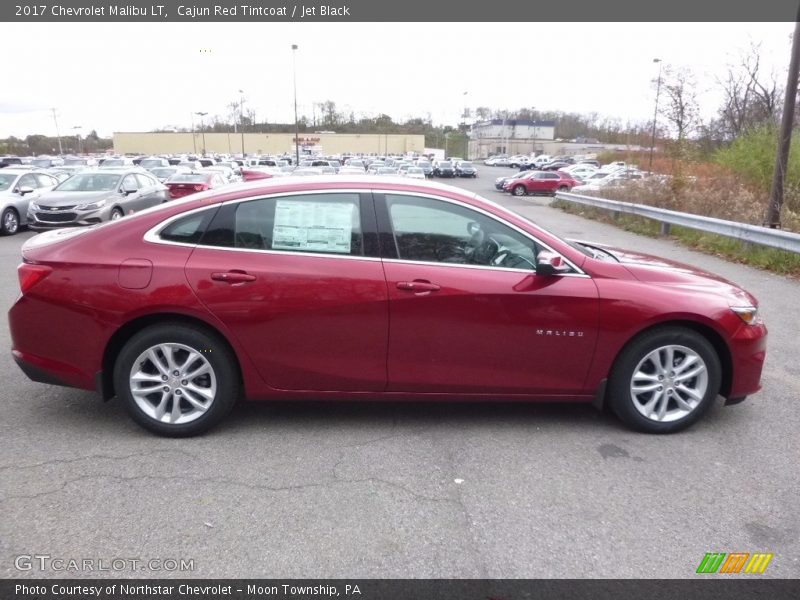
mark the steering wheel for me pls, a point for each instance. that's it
(507, 258)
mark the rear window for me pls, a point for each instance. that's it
(189, 178)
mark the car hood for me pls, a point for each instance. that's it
(71, 198)
(658, 270)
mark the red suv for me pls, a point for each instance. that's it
(332, 288)
(540, 182)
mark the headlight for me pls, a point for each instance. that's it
(33, 206)
(91, 205)
(748, 314)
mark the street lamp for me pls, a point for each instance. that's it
(58, 135)
(296, 131)
(202, 114)
(241, 118)
(78, 136)
(655, 114)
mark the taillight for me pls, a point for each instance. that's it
(30, 275)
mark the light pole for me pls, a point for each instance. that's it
(296, 131)
(203, 131)
(655, 114)
(241, 118)
(58, 135)
(78, 136)
(194, 141)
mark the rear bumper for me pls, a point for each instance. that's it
(43, 370)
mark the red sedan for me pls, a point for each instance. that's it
(183, 184)
(540, 182)
(352, 288)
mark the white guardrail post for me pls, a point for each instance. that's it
(752, 234)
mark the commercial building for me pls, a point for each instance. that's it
(509, 136)
(266, 143)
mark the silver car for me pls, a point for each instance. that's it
(17, 188)
(91, 197)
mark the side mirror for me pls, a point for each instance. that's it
(550, 263)
(25, 190)
(127, 191)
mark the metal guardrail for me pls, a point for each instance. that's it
(753, 234)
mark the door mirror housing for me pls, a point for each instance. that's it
(24, 190)
(550, 263)
(128, 190)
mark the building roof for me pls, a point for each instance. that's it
(516, 123)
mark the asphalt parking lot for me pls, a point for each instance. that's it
(410, 490)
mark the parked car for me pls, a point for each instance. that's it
(500, 182)
(153, 162)
(540, 182)
(278, 290)
(466, 169)
(95, 196)
(443, 168)
(47, 162)
(497, 161)
(183, 184)
(164, 173)
(416, 173)
(18, 187)
(116, 162)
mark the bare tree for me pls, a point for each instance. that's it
(751, 98)
(680, 107)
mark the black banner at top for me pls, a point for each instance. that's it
(339, 11)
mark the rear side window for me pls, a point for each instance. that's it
(188, 229)
(318, 223)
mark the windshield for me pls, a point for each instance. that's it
(163, 172)
(6, 181)
(445, 164)
(75, 162)
(41, 162)
(113, 162)
(90, 182)
(464, 163)
(151, 162)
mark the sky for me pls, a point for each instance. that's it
(142, 76)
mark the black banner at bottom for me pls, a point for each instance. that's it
(398, 589)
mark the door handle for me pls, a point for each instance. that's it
(417, 286)
(233, 277)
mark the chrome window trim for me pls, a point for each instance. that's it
(152, 234)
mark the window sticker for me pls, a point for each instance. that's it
(313, 226)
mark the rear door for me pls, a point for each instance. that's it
(298, 280)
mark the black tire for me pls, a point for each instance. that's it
(223, 370)
(620, 397)
(519, 190)
(9, 222)
(116, 214)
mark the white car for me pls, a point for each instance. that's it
(415, 173)
(17, 188)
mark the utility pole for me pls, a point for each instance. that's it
(296, 130)
(773, 218)
(655, 114)
(241, 118)
(58, 135)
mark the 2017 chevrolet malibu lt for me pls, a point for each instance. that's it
(342, 287)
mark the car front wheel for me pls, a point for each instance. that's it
(665, 380)
(10, 222)
(519, 190)
(176, 380)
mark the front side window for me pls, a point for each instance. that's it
(430, 230)
(318, 223)
(130, 183)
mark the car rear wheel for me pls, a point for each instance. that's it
(10, 222)
(176, 380)
(116, 214)
(665, 380)
(519, 190)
